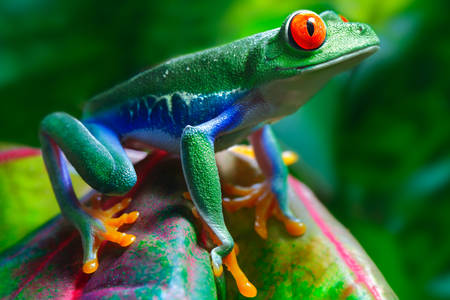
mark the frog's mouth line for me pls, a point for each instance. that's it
(351, 58)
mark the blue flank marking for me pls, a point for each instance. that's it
(268, 143)
(154, 113)
(277, 168)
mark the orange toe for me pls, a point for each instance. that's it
(218, 271)
(295, 228)
(132, 217)
(127, 240)
(245, 287)
(262, 214)
(90, 266)
(116, 208)
(261, 229)
(248, 290)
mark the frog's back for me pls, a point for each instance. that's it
(141, 85)
(188, 90)
(153, 109)
(180, 75)
(215, 70)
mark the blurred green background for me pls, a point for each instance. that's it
(375, 142)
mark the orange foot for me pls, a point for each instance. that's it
(111, 225)
(261, 197)
(246, 288)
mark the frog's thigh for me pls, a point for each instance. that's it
(123, 177)
(94, 151)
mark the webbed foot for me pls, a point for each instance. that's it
(104, 227)
(261, 197)
(245, 287)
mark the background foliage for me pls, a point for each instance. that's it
(375, 142)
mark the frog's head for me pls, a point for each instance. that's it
(295, 60)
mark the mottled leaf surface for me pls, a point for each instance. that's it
(167, 262)
(325, 263)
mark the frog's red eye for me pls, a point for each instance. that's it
(308, 30)
(343, 19)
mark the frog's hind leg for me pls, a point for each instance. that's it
(96, 153)
(269, 197)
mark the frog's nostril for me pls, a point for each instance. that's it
(360, 28)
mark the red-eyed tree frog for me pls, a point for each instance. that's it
(196, 105)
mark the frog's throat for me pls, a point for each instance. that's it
(348, 60)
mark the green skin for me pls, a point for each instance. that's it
(245, 85)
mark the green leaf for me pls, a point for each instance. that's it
(166, 260)
(325, 263)
(26, 197)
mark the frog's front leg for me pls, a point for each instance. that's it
(97, 155)
(270, 196)
(202, 178)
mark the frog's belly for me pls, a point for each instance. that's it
(157, 138)
(166, 141)
(230, 139)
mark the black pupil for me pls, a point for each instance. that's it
(310, 26)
